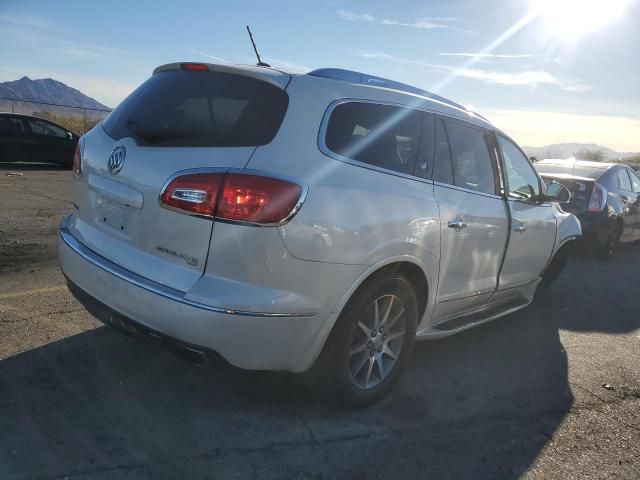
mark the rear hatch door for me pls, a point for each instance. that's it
(176, 121)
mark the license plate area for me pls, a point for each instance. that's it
(115, 216)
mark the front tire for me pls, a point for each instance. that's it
(371, 341)
(556, 266)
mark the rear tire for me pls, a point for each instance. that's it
(606, 250)
(371, 342)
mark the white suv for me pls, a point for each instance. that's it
(287, 221)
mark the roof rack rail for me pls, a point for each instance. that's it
(365, 79)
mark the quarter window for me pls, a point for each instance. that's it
(522, 179)
(380, 135)
(472, 165)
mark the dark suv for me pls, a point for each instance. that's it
(604, 196)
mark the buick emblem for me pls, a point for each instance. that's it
(116, 160)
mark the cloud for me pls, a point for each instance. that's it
(532, 78)
(207, 55)
(41, 34)
(26, 21)
(487, 55)
(287, 65)
(425, 23)
(355, 17)
(539, 128)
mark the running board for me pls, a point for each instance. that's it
(468, 321)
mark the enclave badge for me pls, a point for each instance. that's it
(116, 159)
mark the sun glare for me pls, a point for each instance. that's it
(572, 19)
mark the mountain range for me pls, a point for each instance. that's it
(47, 90)
(567, 150)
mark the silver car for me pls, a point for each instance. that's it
(313, 223)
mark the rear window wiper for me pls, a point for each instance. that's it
(164, 134)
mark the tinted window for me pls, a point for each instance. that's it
(635, 181)
(622, 179)
(523, 181)
(381, 135)
(442, 168)
(40, 127)
(200, 109)
(11, 124)
(472, 166)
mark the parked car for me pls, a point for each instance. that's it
(317, 222)
(604, 196)
(24, 138)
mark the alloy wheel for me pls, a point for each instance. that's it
(377, 341)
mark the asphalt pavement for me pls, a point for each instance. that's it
(549, 392)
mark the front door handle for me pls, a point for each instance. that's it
(519, 228)
(457, 224)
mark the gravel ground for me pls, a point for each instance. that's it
(522, 397)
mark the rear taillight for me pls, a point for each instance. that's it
(77, 160)
(237, 197)
(195, 193)
(598, 198)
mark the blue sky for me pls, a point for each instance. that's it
(541, 75)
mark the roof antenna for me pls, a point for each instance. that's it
(255, 49)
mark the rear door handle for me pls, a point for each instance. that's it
(457, 224)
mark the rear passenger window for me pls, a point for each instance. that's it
(472, 165)
(380, 135)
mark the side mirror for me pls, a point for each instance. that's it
(556, 192)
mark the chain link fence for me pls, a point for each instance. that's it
(77, 119)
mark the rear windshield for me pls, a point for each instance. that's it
(570, 169)
(200, 109)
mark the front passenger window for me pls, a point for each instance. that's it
(623, 180)
(40, 127)
(522, 179)
(472, 165)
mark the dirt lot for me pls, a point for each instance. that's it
(521, 397)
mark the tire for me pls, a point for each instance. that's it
(357, 363)
(604, 251)
(555, 267)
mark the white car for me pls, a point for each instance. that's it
(290, 221)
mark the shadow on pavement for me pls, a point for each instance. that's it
(482, 404)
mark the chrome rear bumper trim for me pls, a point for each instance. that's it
(154, 287)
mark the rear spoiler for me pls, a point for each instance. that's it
(269, 75)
